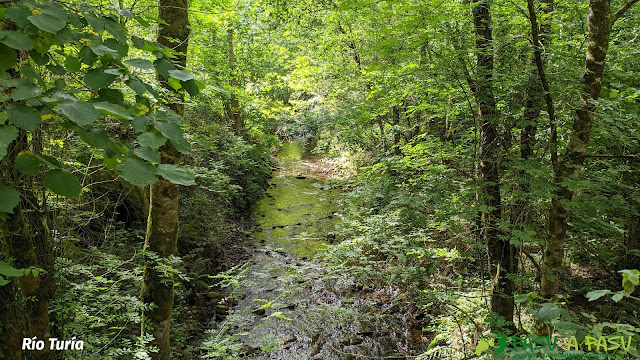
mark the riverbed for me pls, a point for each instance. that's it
(287, 304)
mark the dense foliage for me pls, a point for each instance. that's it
(490, 153)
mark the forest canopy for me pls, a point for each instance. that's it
(469, 166)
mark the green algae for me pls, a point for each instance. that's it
(297, 213)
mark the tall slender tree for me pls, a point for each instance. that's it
(233, 106)
(600, 21)
(502, 254)
(162, 224)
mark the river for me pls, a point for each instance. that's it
(288, 304)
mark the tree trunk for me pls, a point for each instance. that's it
(383, 137)
(396, 130)
(162, 224)
(10, 323)
(600, 20)
(29, 242)
(533, 104)
(632, 238)
(502, 255)
(234, 107)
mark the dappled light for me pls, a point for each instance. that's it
(333, 179)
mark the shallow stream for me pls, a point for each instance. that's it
(291, 306)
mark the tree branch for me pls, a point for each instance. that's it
(632, 156)
(621, 11)
(553, 138)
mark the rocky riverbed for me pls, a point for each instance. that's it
(284, 303)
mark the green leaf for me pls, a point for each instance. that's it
(149, 154)
(9, 199)
(114, 110)
(633, 276)
(564, 326)
(581, 335)
(72, 63)
(116, 71)
(114, 28)
(163, 66)
(192, 87)
(42, 44)
(138, 42)
(50, 161)
(57, 69)
(9, 271)
(182, 145)
(151, 139)
(25, 92)
(548, 312)
(97, 79)
(169, 129)
(617, 296)
(8, 133)
(140, 64)
(19, 15)
(95, 23)
(102, 50)
(39, 59)
(23, 116)
(138, 172)
(175, 83)
(138, 109)
(8, 57)
(141, 123)
(27, 163)
(142, 21)
(122, 49)
(54, 9)
(95, 137)
(111, 95)
(17, 40)
(137, 86)
(127, 13)
(181, 75)
(80, 112)
(521, 298)
(597, 294)
(29, 73)
(48, 23)
(62, 183)
(86, 56)
(109, 162)
(176, 174)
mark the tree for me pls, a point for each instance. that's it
(600, 22)
(162, 225)
(502, 254)
(233, 106)
(60, 66)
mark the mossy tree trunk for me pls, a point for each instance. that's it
(29, 243)
(162, 224)
(600, 21)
